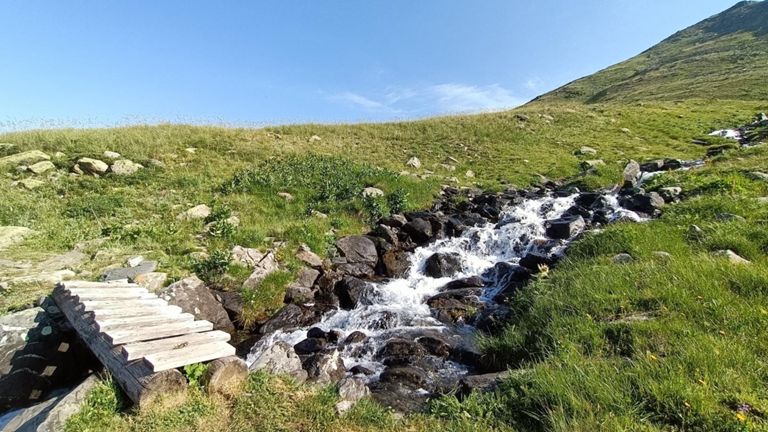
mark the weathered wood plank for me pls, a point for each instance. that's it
(107, 296)
(109, 322)
(90, 284)
(138, 381)
(100, 314)
(111, 304)
(138, 350)
(106, 291)
(138, 333)
(187, 355)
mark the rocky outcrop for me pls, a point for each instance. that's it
(192, 296)
(280, 358)
(91, 166)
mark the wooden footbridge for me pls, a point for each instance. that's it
(142, 340)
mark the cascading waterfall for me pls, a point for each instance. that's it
(398, 307)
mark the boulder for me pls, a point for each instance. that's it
(355, 337)
(631, 174)
(351, 291)
(200, 211)
(325, 368)
(414, 162)
(407, 375)
(360, 370)
(29, 184)
(264, 267)
(124, 167)
(290, 317)
(565, 227)
(394, 221)
(670, 194)
(41, 167)
(130, 273)
(467, 282)
(532, 260)
(652, 166)
(310, 346)
(435, 345)
(24, 158)
(11, 235)
(111, 155)
(351, 390)
(192, 296)
(732, 256)
(443, 264)
(305, 255)
(648, 203)
(372, 192)
(307, 277)
(92, 166)
(278, 358)
(298, 294)
(232, 303)
(419, 230)
(153, 281)
(585, 150)
(590, 164)
(622, 258)
(358, 249)
(400, 351)
(395, 263)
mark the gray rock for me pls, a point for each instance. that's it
(358, 249)
(731, 256)
(92, 166)
(11, 235)
(263, 268)
(192, 296)
(373, 192)
(24, 158)
(622, 258)
(124, 167)
(585, 150)
(305, 255)
(111, 155)
(631, 174)
(565, 227)
(129, 273)
(662, 256)
(279, 358)
(757, 175)
(325, 368)
(351, 291)
(670, 194)
(299, 294)
(414, 162)
(200, 211)
(593, 163)
(729, 217)
(351, 390)
(248, 257)
(419, 230)
(153, 281)
(134, 261)
(480, 383)
(307, 277)
(443, 265)
(41, 167)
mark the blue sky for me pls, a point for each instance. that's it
(106, 62)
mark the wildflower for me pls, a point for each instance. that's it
(740, 416)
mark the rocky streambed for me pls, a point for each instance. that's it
(399, 309)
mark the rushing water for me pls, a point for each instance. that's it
(397, 307)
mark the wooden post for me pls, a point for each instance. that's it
(226, 376)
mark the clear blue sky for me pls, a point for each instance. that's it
(104, 62)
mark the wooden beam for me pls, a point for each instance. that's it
(110, 323)
(138, 350)
(188, 355)
(138, 333)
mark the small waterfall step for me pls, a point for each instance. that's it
(139, 338)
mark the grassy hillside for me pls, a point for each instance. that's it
(723, 57)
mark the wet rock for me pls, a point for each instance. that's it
(732, 256)
(130, 273)
(435, 346)
(192, 296)
(419, 230)
(11, 235)
(631, 174)
(92, 166)
(360, 370)
(495, 317)
(305, 255)
(124, 167)
(307, 277)
(325, 368)
(565, 227)
(407, 375)
(358, 250)
(456, 305)
(622, 258)
(355, 337)
(395, 263)
(648, 203)
(290, 317)
(41, 167)
(279, 358)
(386, 233)
(443, 264)
(360, 270)
(533, 260)
(310, 346)
(468, 282)
(400, 351)
(200, 211)
(299, 295)
(24, 158)
(652, 166)
(351, 291)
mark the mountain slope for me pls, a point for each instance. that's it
(723, 57)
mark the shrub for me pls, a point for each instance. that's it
(212, 268)
(397, 201)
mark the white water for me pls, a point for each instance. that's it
(401, 302)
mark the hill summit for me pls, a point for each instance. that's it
(723, 57)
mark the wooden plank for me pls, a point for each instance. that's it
(90, 284)
(107, 291)
(109, 322)
(138, 381)
(112, 304)
(107, 296)
(138, 333)
(138, 350)
(188, 355)
(133, 311)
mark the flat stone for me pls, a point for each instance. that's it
(263, 268)
(92, 166)
(135, 261)
(308, 257)
(585, 150)
(372, 192)
(153, 281)
(129, 272)
(200, 211)
(10, 235)
(24, 158)
(731, 256)
(124, 167)
(111, 155)
(41, 167)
